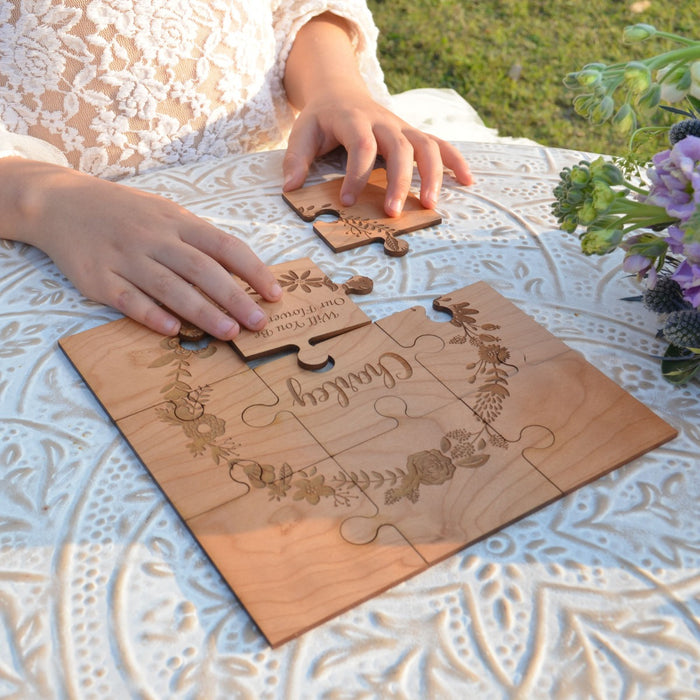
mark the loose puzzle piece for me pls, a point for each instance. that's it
(445, 479)
(314, 489)
(333, 404)
(312, 309)
(505, 366)
(363, 222)
(281, 550)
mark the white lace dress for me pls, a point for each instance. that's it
(119, 87)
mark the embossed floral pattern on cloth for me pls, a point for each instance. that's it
(126, 86)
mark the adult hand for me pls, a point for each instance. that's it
(131, 250)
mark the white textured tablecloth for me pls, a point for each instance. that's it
(104, 593)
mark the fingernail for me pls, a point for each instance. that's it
(432, 198)
(226, 328)
(256, 318)
(171, 326)
(276, 291)
(394, 207)
(347, 200)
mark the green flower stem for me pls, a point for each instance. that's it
(638, 211)
(636, 189)
(675, 37)
(635, 225)
(613, 75)
(653, 130)
(684, 55)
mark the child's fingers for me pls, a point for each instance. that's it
(359, 140)
(303, 146)
(454, 160)
(208, 261)
(124, 296)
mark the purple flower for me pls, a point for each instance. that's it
(692, 251)
(675, 240)
(688, 277)
(685, 243)
(642, 252)
(641, 266)
(675, 179)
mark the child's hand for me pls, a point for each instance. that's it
(129, 249)
(323, 82)
(366, 129)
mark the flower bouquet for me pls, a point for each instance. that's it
(649, 208)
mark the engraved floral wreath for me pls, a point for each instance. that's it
(459, 448)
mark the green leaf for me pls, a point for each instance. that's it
(695, 102)
(677, 366)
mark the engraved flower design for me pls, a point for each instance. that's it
(203, 431)
(259, 475)
(174, 345)
(429, 467)
(494, 354)
(312, 489)
(291, 281)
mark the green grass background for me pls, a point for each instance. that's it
(508, 58)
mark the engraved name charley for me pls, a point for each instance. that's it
(389, 368)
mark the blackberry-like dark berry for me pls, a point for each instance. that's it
(688, 127)
(682, 328)
(665, 297)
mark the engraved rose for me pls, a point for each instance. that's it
(429, 467)
(203, 432)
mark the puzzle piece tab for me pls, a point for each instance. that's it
(445, 479)
(312, 309)
(363, 222)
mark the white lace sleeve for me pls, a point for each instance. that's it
(291, 16)
(29, 147)
(130, 86)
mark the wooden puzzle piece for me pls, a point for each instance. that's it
(202, 454)
(505, 366)
(280, 549)
(444, 480)
(363, 222)
(312, 309)
(129, 367)
(335, 405)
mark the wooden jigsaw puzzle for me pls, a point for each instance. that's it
(363, 222)
(314, 490)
